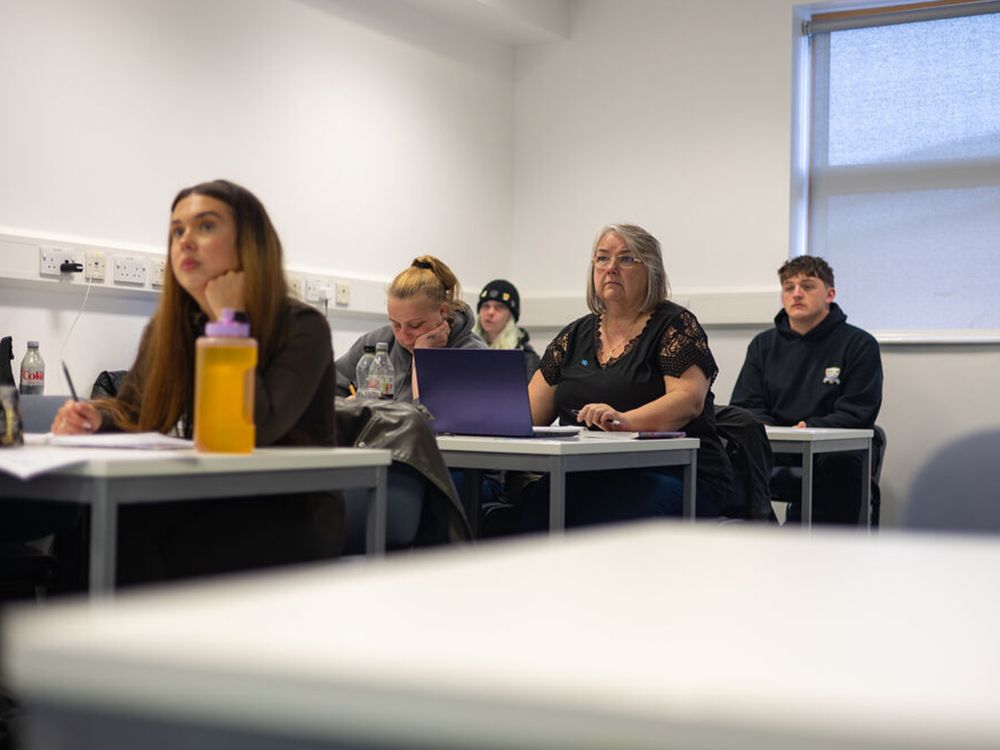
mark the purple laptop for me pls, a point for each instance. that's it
(477, 392)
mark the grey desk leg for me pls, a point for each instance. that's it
(690, 490)
(807, 486)
(866, 490)
(557, 497)
(377, 511)
(103, 541)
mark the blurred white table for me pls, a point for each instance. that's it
(810, 441)
(557, 457)
(107, 478)
(651, 635)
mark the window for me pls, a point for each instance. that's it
(899, 173)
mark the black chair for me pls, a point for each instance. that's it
(749, 450)
(786, 481)
(107, 383)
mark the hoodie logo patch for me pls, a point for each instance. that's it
(831, 376)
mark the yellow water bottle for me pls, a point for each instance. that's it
(225, 361)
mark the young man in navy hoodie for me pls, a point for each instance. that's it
(813, 369)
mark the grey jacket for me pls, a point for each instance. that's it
(461, 337)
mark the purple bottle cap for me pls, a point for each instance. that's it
(232, 325)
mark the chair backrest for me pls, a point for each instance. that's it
(37, 412)
(750, 454)
(957, 489)
(107, 383)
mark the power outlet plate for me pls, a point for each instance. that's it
(296, 286)
(130, 270)
(342, 293)
(157, 269)
(313, 286)
(50, 258)
(95, 266)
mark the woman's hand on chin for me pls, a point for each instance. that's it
(225, 291)
(436, 338)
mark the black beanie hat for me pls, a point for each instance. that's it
(502, 291)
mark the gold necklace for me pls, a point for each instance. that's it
(620, 346)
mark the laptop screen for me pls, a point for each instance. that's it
(475, 391)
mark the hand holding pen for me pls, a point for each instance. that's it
(599, 415)
(75, 416)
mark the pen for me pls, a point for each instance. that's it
(613, 422)
(69, 381)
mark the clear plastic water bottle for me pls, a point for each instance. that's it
(382, 375)
(32, 371)
(361, 372)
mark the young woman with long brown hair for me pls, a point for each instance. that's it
(224, 253)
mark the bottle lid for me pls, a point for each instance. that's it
(382, 346)
(232, 324)
(32, 344)
(369, 348)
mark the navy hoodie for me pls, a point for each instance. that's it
(830, 377)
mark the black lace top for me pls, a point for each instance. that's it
(671, 342)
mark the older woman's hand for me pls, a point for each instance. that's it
(604, 417)
(76, 418)
(436, 338)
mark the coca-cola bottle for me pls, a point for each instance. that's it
(32, 371)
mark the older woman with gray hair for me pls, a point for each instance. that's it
(637, 362)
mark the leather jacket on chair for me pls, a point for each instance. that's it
(401, 427)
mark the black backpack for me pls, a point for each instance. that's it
(750, 454)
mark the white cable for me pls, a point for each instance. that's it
(73, 324)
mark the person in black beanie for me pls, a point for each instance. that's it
(498, 310)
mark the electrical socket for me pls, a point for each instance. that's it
(94, 268)
(313, 286)
(342, 291)
(296, 286)
(130, 270)
(157, 268)
(50, 258)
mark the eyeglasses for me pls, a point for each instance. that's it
(603, 261)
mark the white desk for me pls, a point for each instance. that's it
(556, 457)
(654, 635)
(107, 480)
(809, 441)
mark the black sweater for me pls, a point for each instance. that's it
(830, 377)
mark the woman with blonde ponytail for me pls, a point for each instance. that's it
(425, 310)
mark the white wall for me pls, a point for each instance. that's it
(668, 113)
(676, 115)
(372, 132)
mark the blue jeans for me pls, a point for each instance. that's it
(406, 490)
(594, 497)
